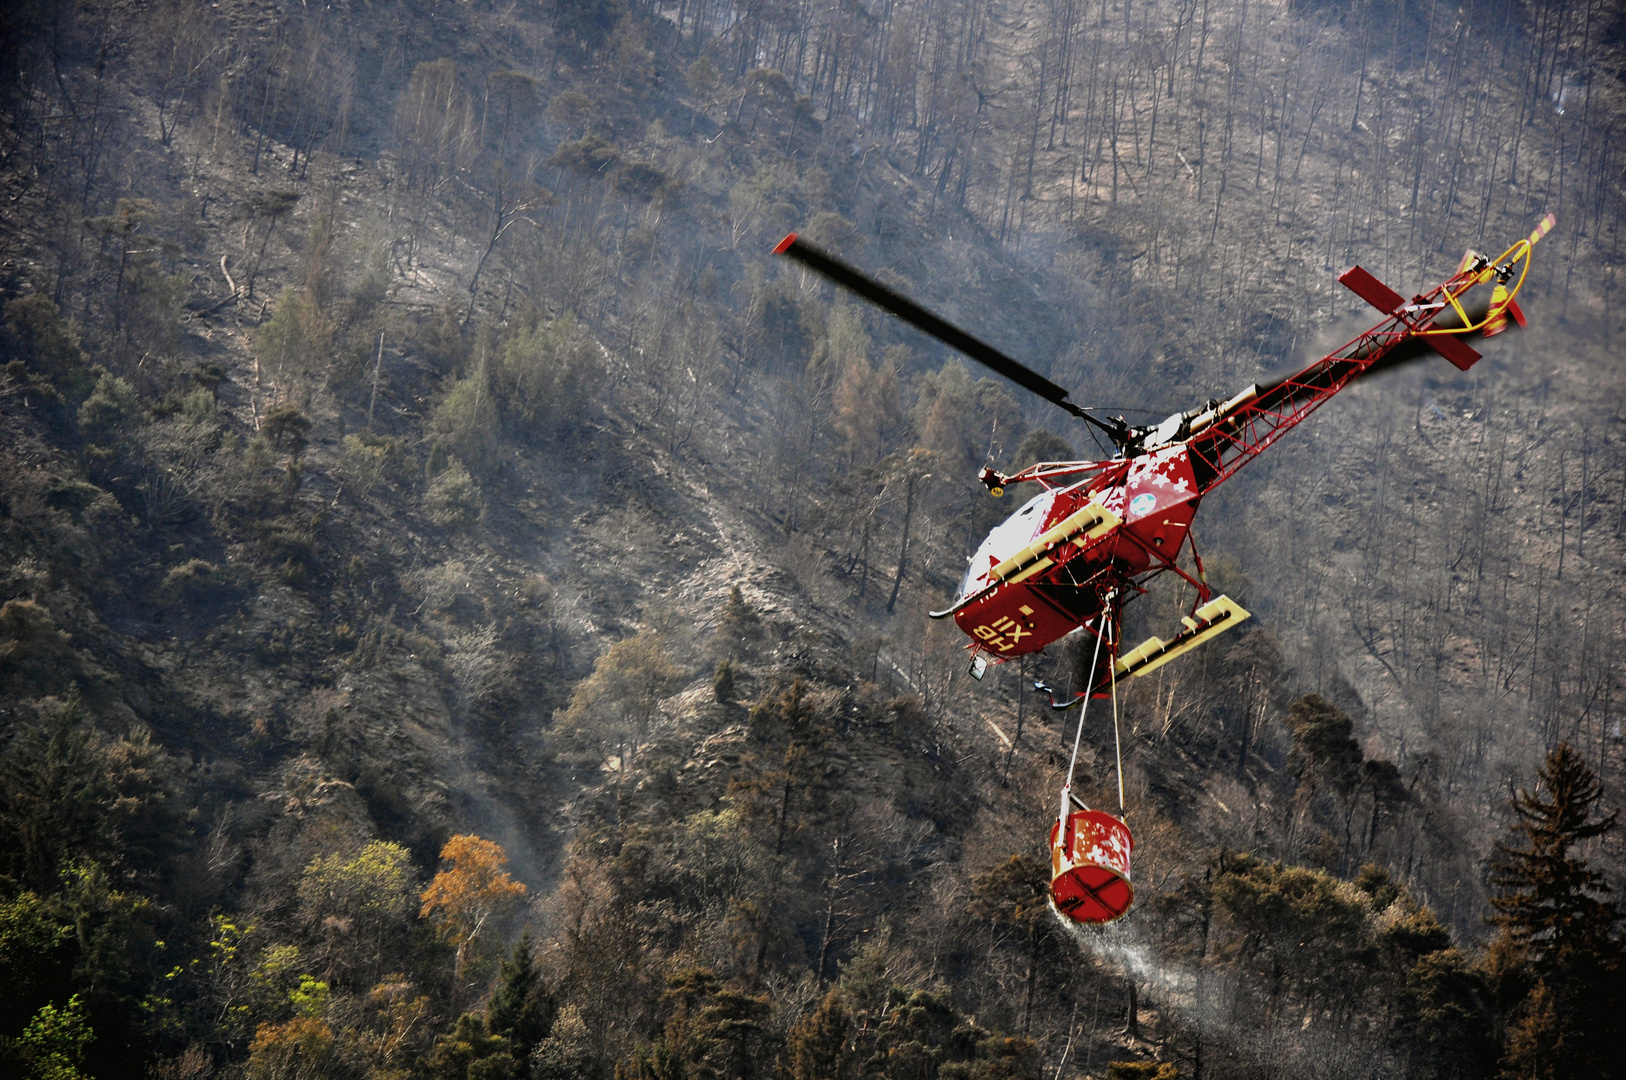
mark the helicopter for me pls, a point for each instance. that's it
(1098, 532)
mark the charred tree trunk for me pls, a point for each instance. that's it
(903, 550)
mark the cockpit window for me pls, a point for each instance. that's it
(1004, 541)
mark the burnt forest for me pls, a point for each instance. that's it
(464, 598)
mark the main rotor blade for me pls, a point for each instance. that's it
(915, 315)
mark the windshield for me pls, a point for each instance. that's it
(1005, 540)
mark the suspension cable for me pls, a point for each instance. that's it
(1101, 625)
(1078, 737)
(1117, 739)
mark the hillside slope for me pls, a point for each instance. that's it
(407, 435)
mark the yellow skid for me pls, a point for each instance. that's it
(1210, 620)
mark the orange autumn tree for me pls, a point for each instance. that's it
(471, 891)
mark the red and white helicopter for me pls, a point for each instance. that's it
(1099, 531)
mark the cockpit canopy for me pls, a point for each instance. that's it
(1009, 537)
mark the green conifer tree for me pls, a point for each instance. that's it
(1554, 915)
(1323, 749)
(1017, 891)
(469, 1052)
(521, 1009)
(722, 682)
(739, 630)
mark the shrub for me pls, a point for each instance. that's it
(256, 478)
(195, 581)
(547, 374)
(297, 341)
(209, 375)
(440, 340)
(200, 406)
(441, 585)
(289, 544)
(474, 661)
(74, 495)
(453, 498)
(48, 345)
(286, 424)
(465, 422)
(27, 632)
(1143, 1070)
(111, 408)
(373, 459)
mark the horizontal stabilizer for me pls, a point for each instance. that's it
(1210, 620)
(1514, 310)
(1451, 347)
(1370, 289)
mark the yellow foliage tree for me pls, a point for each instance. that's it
(358, 906)
(472, 891)
(301, 1049)
(614, 707)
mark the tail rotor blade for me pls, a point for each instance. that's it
(912, 313)
(1543, 229)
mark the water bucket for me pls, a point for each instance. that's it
(1089, 867)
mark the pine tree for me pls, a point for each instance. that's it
(1547, 900)
(1017, 892)
(712, 1033)
(521, 1009)
(1323, 746)
(1553, 912)
(1445, 1017)
(469, 1052)
(816, 1048)
(722, 682)
(739, 630)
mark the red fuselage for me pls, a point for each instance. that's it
(1153, 496)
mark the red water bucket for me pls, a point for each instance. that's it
(1089, 867)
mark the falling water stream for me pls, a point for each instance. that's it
(1205, 1006)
